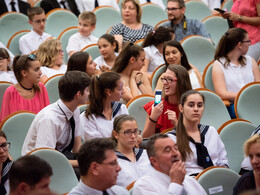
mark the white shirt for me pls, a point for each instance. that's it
(89, 5)
(158, 2)
(9, 7)
(8, 76)
(78, 42)
(155, 183)
(154, 56)
(83, 189)
(100, 61)
(100, 126)
(237, 77)
(51, 128)
(49, 72)
(214, 145)
(131, 171)
(194, 79)
(31, 41)
(212, 4)
(10, 54)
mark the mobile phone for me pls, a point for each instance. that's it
(158, 97)
(220, 10)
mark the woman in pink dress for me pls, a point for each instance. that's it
(246, 14)
(28, 93)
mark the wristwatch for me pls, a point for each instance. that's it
(240, 18)
(139, 83)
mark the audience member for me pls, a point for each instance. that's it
(133, 161)
(82, 61)
(200, 145)
(83, 38)
(90, 5)
(246, 15)
(30, 42)
(49, 5)
(153, 47)
(129, 63)
(212, 4)
(251, 179)
(232, 69)
(168, 175)
(157, 2)
(183, 27)
(50, 55)
(246, 165)
(57, 126)
(98, 169)
(173, 53)
(165, 114)
(130, 29)
(28, 94)
(14, 6)
(10, 54)
(108, 48)
(5, 164)
(105, 92)
(5, 73)
(30, 175)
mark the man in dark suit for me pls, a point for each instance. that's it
(14, 5)
(71, 5)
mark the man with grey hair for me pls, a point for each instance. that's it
(183, 27)
(169, 174)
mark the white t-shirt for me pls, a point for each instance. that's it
(49, 72)
(31, 41)
(89, 5)
(77, 42)
(194, 79)
(158, 2)
(8, 76)
(100, 61)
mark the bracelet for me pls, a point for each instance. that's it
(139, 83)
(240, 18)
(152, 120)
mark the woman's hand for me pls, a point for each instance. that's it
(104, 68)
(156, 111)
(172, 117)
(139, 77)
(231, 16)
(139, 141)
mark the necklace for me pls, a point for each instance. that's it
(29, 89)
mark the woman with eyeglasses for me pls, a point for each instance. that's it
(104, 93)
(164, 115)
(134, 162)
(173, 53)
(200, 145)
(28, 94)
(50, 55)
(5, 164)
(232, 68)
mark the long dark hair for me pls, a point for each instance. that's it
(181, 133)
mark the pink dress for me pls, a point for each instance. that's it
(247, 8)
(13, 101)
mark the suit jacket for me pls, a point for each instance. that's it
(23, 6)
(48, 5)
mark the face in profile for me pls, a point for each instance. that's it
(254, 156)
(90, 67)
(41, 188)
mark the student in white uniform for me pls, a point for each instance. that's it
(50, 55)
(105, 92)
(90, 5)
(98, 169)
(200, 145)
(5, 73)
(168, 175)
(133, 161)
(108, 48)
(153, 47)
(30, 42)
(174, 53)
(157, 2)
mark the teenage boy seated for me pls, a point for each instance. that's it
(57, 126)
(31, 41)
(83, 38)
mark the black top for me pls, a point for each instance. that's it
(246, 182)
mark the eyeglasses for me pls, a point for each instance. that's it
(130, 132)
(248, 41)
(113, 163)
(168, 80)
(40, 21)
(168, 9)
(32, 56)
(5, 146)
